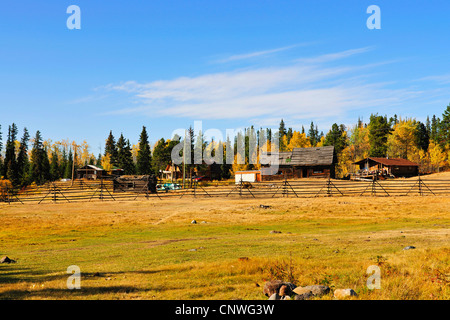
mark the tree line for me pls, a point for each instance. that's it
(34, 160)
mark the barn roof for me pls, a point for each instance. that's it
(308, 157)
(315, 156)
(388, 162)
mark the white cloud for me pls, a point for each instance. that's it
(256, 54)
(297, 91)
(335, 56)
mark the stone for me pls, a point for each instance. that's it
(318, 290)
(343, 293)
(264, 206)
(274, 296)
(408, 248)
(275, 231)
(285, 290)
(193, 222)
(274, 286)
(5, 259)
(304, 296)
(192, 250)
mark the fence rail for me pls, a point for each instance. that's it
(87, 191)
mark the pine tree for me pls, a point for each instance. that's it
(161, 156)
(422, 137)
(144, 157)
(379, 129)
(313, 135)
(124, 156)
(69, 165)
(10, 163)
(110, 148)
(54, 167)
(40, 165)
(23, 163)
(336, 137)
(444, 129)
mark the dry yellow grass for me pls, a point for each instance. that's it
(143, 249)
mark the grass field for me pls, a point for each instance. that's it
(144, 249)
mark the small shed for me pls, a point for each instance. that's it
(247, 176)
(388, 167)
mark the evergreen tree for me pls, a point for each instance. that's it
(313, 135)
(124, 156)
(161, 156)
(379, 129)
(99, 160)
(336, 137)
(40, 165)
(1, 158)
(54, 167)
(23, 163)
(444, 129)
(10, 163)
(422, 137)
(69, 165)
(144, 157)
(110, 148)
(434, 128)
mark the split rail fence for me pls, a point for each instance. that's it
(103, 190)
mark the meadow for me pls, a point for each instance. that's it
(150, 249)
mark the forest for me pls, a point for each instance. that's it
(33, 160)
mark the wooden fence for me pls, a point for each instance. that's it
(103, 190)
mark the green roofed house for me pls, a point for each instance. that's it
(92, 172)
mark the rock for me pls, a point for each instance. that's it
(408, 248)
(317, 290)
(275, 231)
(5, 259)
(343, 293)
(274, 296)
(264, 206)
(274, 286)
(203, 222)
(192, 250)
(193, 222)
(304, 296)
(286, 298)
(285, 290)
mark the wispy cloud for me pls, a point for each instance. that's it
(297, 91)
(442, 79)
(335, 56)
(257, 54)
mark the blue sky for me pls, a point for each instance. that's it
(231, 64)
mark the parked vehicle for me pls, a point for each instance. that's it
(171, 186)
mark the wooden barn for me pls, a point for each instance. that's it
(130, 183)
(92, 172)
(384, 167)
(305, 163)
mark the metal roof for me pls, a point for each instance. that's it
(389, 162)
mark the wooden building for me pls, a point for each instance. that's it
(92, 172)
(131, 183)
(384, 167)
(303, 163)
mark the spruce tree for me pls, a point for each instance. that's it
(40, 165)
(144, 157)
(124, 155)
(10, 163)
(379, 130)
(111, 149)
(23, 163)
